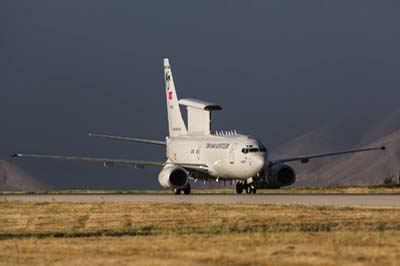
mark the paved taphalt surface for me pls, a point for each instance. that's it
(321, 199)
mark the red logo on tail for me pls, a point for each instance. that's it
(170, 95)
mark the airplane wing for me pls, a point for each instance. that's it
(105, 162)
(307, 158)
(157, 142)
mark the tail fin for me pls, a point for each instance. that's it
(175, 121)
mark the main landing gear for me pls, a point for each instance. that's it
(249, 188)
(185, 190)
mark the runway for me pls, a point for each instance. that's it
(383, 200)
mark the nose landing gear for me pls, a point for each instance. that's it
(249, 188)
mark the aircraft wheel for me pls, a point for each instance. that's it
(239, 188)
(177, 191)
(186, 190)
(250, 189)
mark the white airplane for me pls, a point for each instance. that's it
(193, 152)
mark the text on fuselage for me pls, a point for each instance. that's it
(217, 145)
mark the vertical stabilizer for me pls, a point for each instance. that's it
(175, 121)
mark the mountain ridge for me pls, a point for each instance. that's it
(369, 168)
(13, 177)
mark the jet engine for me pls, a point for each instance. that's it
(173, 177)
(281, 175)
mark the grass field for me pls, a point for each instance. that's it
(384, 189)
(196, 234)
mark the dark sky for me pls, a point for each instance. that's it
(279, 68)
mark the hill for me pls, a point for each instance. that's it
(353, 132)
(14, 178)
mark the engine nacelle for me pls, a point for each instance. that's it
(173, 177)
(281, 175)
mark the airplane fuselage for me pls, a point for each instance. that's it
(225, 156)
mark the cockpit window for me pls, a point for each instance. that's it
(258, 148)
(246, 150)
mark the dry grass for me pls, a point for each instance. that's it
(338, 248)
(196, 234)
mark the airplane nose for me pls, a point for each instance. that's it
(259, 163)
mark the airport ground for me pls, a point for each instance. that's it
(133, 233)
(378, 189)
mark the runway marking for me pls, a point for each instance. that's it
(337, 200)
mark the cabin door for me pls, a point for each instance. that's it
(232, 153)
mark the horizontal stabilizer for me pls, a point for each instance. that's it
(147, 141)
